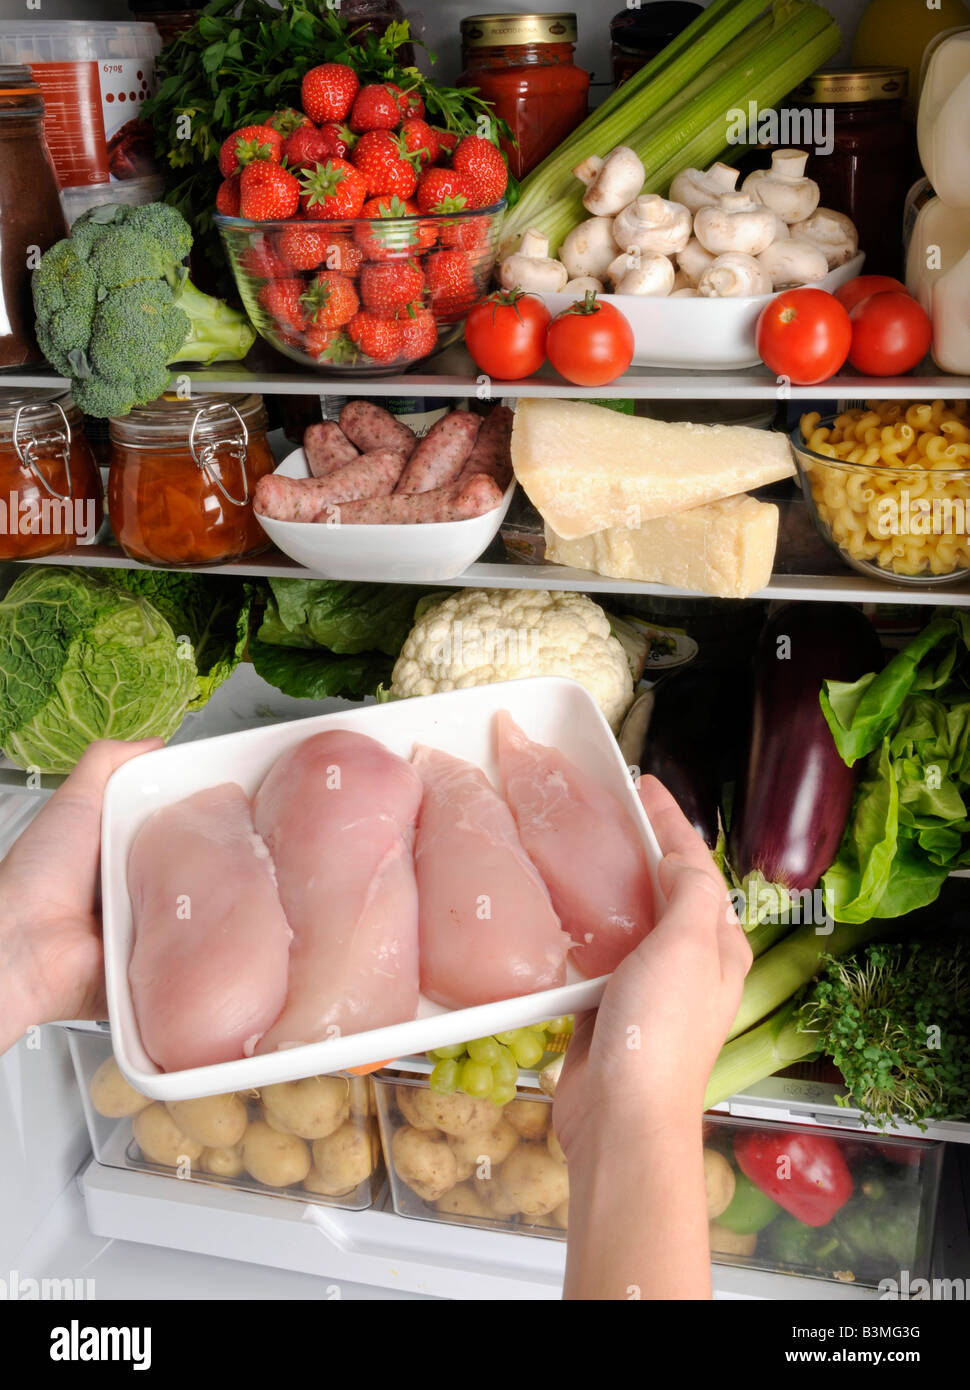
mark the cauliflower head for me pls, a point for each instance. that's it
(480, 636)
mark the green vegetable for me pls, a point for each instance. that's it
(208, 612)
(115, 308)
(80, 660)
(884, 1234)
(675, 112)
(817, 1247)
(750, 1209)
(910, 825)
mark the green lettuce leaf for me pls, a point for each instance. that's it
(857, 879)
(347, 618)
(319, 674)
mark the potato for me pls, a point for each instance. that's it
(546, 1220)
(424, 1162)
(161, 1140)
(111, 1094)
(226, 1162)
(218, 1122)
(719, 1182)
(312, 1108)
(725, 1242)
(492, 1145)
(554, 1146)
(529, 1118)
(454, 1114)
(463, 1200)
(407, 1103)
(341, 1161)
(273, 1122)
(495, 1197)
(533, 1180)
(278, 1160)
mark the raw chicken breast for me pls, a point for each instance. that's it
(209, 965)
(488, 929)
(584, 844)
(338, 814)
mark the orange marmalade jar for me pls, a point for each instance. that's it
(182, 478)
(523, 64)
(50, 487)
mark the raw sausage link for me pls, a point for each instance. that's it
(441, 454)
(370, 427)
(312, 499)
(327, 448)
(459, 502)
(492, 453)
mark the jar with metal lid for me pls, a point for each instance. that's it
(182, 478)
(50, 486)
(639, 33)
(523, 64)
(862, 153)
(30, 210)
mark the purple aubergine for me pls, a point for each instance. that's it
(794, 793)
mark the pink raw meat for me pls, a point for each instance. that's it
(488, 929)
(338, 814)
(585, 846)
(209, 965)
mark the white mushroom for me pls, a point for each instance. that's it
(734, 223)
(832, 232)
(793, 262)
(583, 283)
(589, 248)
(693, 260)
(784, 187)
(734, 275)
(651, 274)
(687, 293)
(697, 189)
(652, 224)
(682, 281)
(532, 268)
(612, 182)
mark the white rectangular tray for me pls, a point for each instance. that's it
(551, 710)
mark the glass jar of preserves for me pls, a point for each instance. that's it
(872, 161)
(182, 478)
(523, 64)
(50, 486)
(638, 34)
(30, 210)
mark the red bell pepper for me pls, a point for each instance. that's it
(804, 1173)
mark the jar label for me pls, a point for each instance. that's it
(92, 120)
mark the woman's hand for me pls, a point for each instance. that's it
(51, 962)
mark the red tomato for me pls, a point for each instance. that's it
(804, 335)
(863, 286)
(891, 333)
(590, 343)
(506, 334)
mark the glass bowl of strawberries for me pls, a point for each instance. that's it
(370, 295)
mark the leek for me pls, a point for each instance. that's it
(776, 1043)
(677, 116)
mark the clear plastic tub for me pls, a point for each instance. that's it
(472, 1163)
(311, 1141)
(94, 78)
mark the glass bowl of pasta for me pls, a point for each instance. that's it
(888, 487)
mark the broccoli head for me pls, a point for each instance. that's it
(115, 307)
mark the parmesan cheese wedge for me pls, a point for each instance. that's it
(586, 468)
(726, 549)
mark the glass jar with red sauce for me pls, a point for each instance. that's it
(183, 474)
(50, 488)
(523, 64)
(872, 162)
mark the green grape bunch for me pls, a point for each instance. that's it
(488, 1068)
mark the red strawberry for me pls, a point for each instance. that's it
(452, 284)
(302, 245)
(388, 285)
(261, 262)
(342, 254)
(378, 338)
(328, 92)
(375, 108)
(330, 345)
(442, 190)
(378, 156)
(419, 139)
(419, 335)
(481, 164)
(399, 238)
(318, 338)
(288, 119)
(283, 301)
(331, 301)
(267, 192)
(341, 136)
(447, 140)
(409, 103)
(470, 233)
(333, 190)
(227, 197)
(311, 146)
(248, 143)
